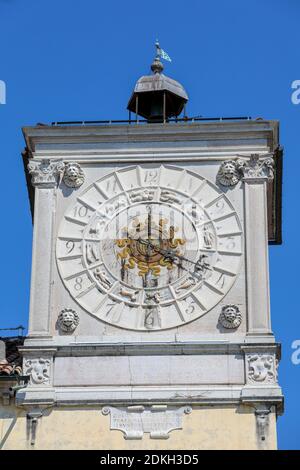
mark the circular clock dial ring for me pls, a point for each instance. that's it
(147, 243)
(149, 248)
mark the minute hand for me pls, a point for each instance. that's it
(167, 253)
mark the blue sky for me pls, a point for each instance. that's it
(78, 60)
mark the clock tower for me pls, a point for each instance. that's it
(149, 308)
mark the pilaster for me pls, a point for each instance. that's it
(45, 175)
(256, 172)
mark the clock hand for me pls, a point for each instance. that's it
(149, 209)
(167, 253)
(171, 254)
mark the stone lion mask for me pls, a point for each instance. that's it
(73, 175)
(230, 316)
(68, 320)
(228, 174)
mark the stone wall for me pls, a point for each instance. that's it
(212, 427)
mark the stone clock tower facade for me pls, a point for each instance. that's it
(149, 310)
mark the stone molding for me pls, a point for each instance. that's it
(117, 396)
(73, 347)
(152, 132)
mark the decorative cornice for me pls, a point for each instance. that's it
(45, 173)
(151, 132)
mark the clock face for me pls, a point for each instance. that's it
(149, 248)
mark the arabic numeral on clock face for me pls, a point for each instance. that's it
(80, 211)
(78, 283)
(151, 176)
(113, 312)
(190, 306)
(110, 306)
(70, 246)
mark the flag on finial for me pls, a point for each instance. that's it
(161, 53)
(165, 56)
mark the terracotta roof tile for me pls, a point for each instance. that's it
(12, 364)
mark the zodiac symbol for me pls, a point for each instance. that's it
(101, 276)
(130, 294)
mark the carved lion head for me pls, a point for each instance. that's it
(230, 316)
(73, 175)
(68, 320)
(228, 174)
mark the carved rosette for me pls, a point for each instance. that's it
(261, 368)
(256, 167)
(45, 173)
(157, 420)
(39, 370)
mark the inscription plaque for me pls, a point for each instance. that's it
(157, 420)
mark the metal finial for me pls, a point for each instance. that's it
(158, 49)
(157, 66)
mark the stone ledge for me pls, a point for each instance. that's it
(90, 396)
(147, 348)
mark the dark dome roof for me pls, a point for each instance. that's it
(160, 82)
(155, 91)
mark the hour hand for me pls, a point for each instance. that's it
(162, 251)
(167, 253)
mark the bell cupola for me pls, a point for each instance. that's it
(156, 97)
